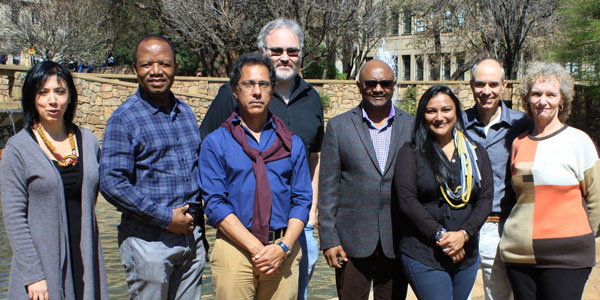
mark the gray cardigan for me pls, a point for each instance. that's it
(34, 209)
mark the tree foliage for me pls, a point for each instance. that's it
(579, 39)
(505, 29)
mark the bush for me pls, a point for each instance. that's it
(409, 102)
(325, 100)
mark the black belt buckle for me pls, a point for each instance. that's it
(275, 234)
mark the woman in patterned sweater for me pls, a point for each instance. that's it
(548, 240)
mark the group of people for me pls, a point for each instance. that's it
(422, 200)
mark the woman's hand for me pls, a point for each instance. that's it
(451, 242)
(38, 290)
(460, 254)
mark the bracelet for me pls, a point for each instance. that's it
(465, 234)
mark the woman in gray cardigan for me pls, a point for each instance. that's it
(49, 189)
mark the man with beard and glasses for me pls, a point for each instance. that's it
(299, 106)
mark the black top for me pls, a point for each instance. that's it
(303, 114)
(72, 179)
(426, 211)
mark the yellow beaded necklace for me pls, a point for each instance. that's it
(69, 160)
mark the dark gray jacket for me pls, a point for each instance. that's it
(355, 197)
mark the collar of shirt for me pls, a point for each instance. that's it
(266, 133)
(472, 119)
(152, 106)
(390, 118)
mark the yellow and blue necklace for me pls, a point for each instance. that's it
(469, 172)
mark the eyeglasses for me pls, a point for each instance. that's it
(385, 84)
(278, 51)
(248, 85)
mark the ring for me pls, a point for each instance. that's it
(446, 250)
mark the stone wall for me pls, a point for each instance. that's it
(101, 94)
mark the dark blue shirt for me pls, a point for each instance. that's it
(498, 143)
(227, 179)
(149, 159)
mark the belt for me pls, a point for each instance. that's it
(497, 217)
(276, 234)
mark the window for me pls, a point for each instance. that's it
(406, 67)
(383, 24)
(434, 70)
(407, 22)
(460, 61)
(420, 25)
(419, 68)
(395, 22)
(448, 21)
(447, 65)
(460, 18)
(395, 66)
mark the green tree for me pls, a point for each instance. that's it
(579, 39)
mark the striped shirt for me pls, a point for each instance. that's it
(380, 136)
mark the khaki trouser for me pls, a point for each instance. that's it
(235, 277)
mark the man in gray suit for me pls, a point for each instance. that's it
(355, 189)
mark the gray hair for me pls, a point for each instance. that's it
(547, 71)
(276, 24)
(490, 58)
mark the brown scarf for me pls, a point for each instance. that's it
(281, 148)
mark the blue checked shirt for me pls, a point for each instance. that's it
(380, 137)
(149, 159)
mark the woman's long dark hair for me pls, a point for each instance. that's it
(35, 80)
(424, 141)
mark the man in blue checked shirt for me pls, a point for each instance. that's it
(255, 180)
(148, 170)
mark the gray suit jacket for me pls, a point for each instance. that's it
(354, 194)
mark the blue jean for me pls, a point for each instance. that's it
(433, 284)
(161, 265)
(310, 254)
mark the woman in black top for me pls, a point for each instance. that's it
(444, 188)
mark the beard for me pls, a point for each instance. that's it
(285, 76)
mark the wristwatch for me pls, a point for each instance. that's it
(439, 234)
(285, 248)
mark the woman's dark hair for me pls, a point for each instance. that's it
(35, 80)
(424, 141)
(251, 59)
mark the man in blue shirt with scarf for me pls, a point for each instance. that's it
(255, 180)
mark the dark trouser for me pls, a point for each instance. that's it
(537, 283)
(353, 281)
(433, 284)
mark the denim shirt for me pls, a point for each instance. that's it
(498, 143)
(149, 159)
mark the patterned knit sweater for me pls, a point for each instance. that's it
(557, 183)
